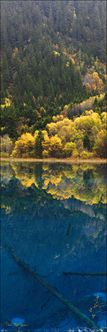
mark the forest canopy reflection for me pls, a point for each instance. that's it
(53, 220)
(86, 183)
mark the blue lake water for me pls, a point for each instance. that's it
(53, 240)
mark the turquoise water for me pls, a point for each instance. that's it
(53, 231)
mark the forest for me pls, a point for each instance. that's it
(53, 79)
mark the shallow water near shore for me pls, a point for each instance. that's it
(53, 225)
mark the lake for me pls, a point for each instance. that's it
(53, 247)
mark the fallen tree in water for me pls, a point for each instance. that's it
(88, 274)
(51, 289)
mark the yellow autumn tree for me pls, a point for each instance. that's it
(100, 146)
(93, 82)
(55, 146)
(24, 146)
(69, 148)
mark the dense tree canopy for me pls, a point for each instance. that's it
(84, 137)
(53, 65)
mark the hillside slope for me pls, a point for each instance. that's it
(53, 66)
(35, 68)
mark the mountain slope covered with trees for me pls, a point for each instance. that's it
(52, 59)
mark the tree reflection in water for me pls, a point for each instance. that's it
(53, 217)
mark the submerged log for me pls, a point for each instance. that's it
(52, 290)
(90, 274)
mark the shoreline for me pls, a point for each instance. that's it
(56, 160)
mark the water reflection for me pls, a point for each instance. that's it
(84, 182)
(53, 217)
